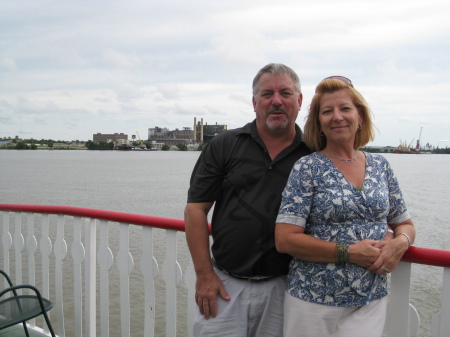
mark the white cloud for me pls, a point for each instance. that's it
(121, 59)
(142, 64)
(246, 47)
(8, 64)
(126, 91)
(169, 90)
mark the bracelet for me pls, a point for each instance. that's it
(342, 253)
(407, 237)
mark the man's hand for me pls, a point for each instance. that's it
(208, 285)
(206, 290)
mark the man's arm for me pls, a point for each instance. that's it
(208, 284)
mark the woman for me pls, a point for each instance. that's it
(335, 212)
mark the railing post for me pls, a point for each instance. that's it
(18, 248)
(150, 271)
(190, 278)
(60, 251)
(45, 246)
(402, 319)
(444, 326)
(6, 243)
(31, 247)
(125, 265)
(91, 278)
(441, 323)
(105, 261)
(172, 275)
(78, 258)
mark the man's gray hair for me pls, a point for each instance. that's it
(277, 69)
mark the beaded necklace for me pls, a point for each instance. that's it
(351, 160)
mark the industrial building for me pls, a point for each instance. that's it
(108, 137)
(202, 133)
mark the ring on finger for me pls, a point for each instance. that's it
(385, 269)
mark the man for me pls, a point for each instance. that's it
(240, 289)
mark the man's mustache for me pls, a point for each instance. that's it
(278, 110)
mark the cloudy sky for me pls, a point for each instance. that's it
(69, 69)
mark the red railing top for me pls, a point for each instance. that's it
(428, 256)
(129, 218)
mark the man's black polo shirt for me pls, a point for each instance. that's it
(236, 171)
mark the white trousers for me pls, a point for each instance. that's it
(255, 309)
(305, 319)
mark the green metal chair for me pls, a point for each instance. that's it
(20, 308)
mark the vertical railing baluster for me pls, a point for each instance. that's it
(172, 276)
(6, 243)
(105, 261)
(190, 279)
(150, 271)
(31, 247)
(444, 322)
(45, 246)
(18, 244)
(398, 309)
(91, 278)
(78, 258)
(60, 251)
(125, 266)
(7, 239)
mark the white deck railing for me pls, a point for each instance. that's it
(69, 253)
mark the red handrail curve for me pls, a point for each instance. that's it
(428, 256)
(139, 219)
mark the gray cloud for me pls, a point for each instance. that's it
(140, 64)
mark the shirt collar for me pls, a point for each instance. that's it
(250, 128)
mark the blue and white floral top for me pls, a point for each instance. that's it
(318, 197)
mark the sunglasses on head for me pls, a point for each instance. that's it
(340, 78)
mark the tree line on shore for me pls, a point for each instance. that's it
(32, 144)
(445, 150)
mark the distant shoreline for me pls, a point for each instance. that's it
(380, 150)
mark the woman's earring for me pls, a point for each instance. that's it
(321, 133)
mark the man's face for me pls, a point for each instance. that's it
(276, 103)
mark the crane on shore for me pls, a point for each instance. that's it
(404, 146)
(418, 140)
(141, 143)
(409, 148)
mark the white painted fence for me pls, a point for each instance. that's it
(100, 296)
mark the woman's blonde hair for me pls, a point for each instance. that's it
(312, 133)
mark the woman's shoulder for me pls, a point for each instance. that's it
(376, 159)
(315, 159)
(375, 156)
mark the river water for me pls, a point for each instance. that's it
(156, 183)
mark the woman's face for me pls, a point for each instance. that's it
(339, 118)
